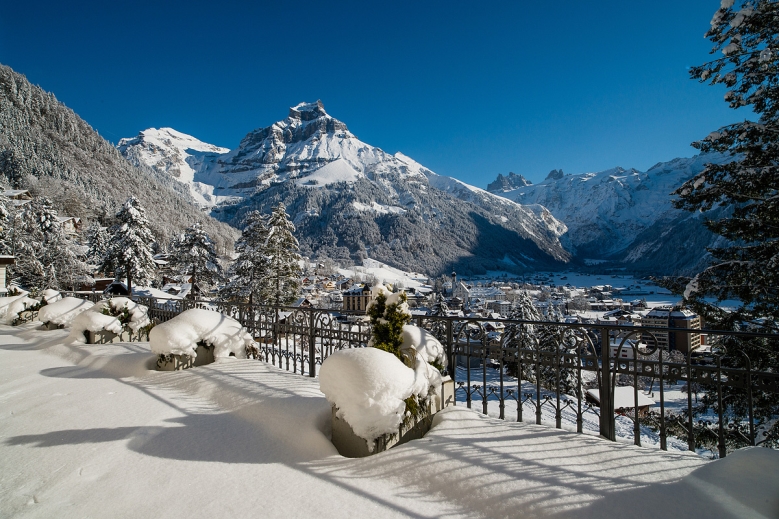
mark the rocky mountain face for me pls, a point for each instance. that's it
(626, 216)
(510, 182)
(46, 148)
(350, 200)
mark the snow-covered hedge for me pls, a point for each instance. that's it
(62, 312)
(50, 295)
(181, 335)
(113, 315)
(10, 307)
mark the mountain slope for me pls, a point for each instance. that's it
(349, 199)
(626, 215)
(47, 148)
(177, 154)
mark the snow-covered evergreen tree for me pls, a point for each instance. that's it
(45, 257)
(746, 266)
(129, 251)
(281, 286)
(7, 215)
(97, 239)
(556, 340)
(194, 254)
(249, 270)
(520, 335)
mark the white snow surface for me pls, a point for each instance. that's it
(94, 319)
(63, 312)
(180, 335)
(337, 171)
(91, 431)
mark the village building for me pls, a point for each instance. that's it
(70, 224)
(624, 400)
(356, 299)
(5, 261)
(672, 317)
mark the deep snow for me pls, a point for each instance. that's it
(89, 431)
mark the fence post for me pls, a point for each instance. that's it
(312, 344)
(607, 425)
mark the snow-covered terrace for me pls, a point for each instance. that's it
(90, 431)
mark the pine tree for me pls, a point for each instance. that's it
(388, 313)
(746, 266)
(555, 341)
(521, 336)
(282, 260)
(45, 257)
(7, 224)
(97, 240)
(194, 254)
(249, 270)
(129, 251)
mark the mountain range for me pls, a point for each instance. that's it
(626, 217)
(350, 200)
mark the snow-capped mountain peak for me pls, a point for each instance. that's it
(347, 197)
(177, 154)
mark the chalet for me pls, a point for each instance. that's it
(70, 224)
(18, 197)
(4, 262)
(303, 302)
(624, 400)
(116, 288)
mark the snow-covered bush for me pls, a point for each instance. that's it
(49, 296)
(370, 388)
(181, 335)
(376, 389)
(10, 307)
(62, 312)
(113, 315)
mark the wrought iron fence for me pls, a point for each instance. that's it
(545, 368)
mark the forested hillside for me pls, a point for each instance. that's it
(46, 148)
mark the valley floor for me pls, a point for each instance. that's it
(90, 431)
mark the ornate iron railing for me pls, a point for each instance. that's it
(543, 368)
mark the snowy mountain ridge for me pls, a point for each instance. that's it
(620, 214)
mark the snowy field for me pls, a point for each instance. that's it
(90, 431)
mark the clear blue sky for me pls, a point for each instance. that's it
(469, 89)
